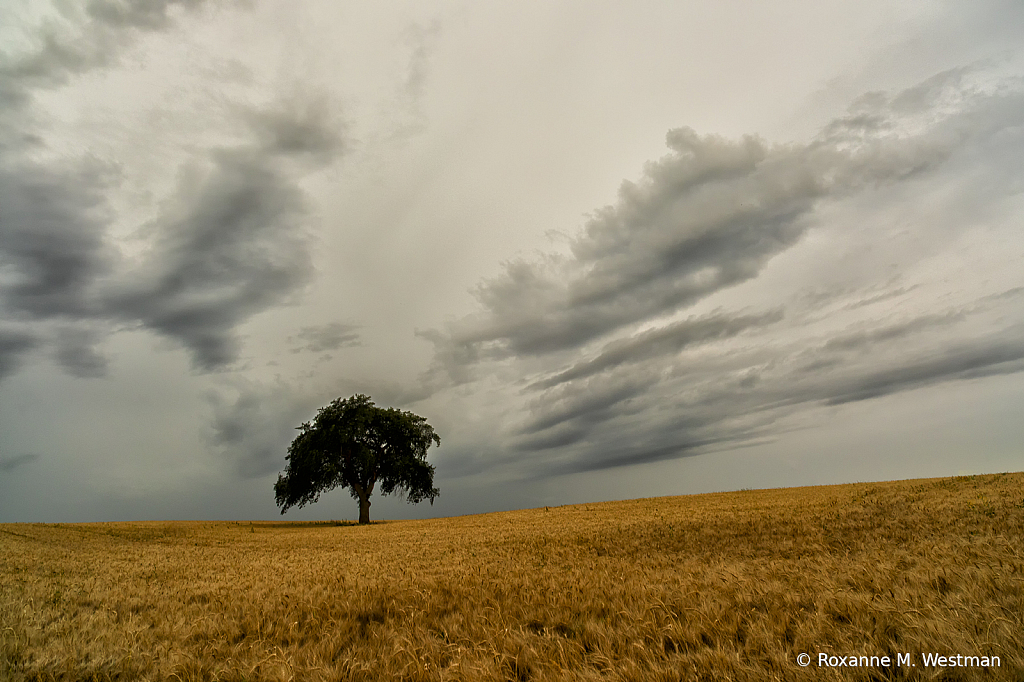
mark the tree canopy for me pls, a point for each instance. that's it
(354, 444)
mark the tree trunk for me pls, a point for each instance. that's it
(364, 509)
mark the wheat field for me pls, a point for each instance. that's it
(727, 586)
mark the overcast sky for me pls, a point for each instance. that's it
(609, 250)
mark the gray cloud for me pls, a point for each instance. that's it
(52, 238)
(90, 37)
(884, 296)
(583, 402)
(76, 353)
(583, 405)
(305, 128)
(863, 340)
(708, 216)
(326, 337)
(9, 464)
(13, 344)
(610, 383)
(661, 341)
(958, 363)
(662, 408)
(229, 244)
(253, 430)
(232, 242)
(145, 14)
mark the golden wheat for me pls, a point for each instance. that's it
(729, 586)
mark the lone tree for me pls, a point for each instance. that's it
(354, 444)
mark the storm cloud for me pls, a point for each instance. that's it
(76, 353)
(252, 428)
(13, 344)
(613, 380)
(230, 246)
(230, 242)
(82, 37)
(661, 341)
(708, 216)
(326, 337)
(739, 395)
(52, 238)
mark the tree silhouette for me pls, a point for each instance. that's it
(354, 444)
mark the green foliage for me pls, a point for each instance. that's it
(356, 445)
